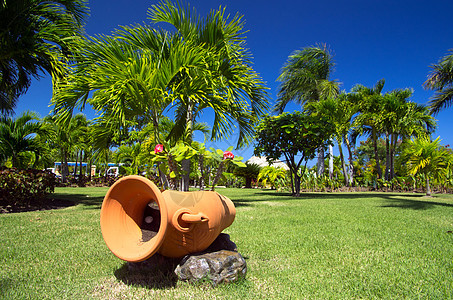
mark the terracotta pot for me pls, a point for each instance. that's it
(137, 220)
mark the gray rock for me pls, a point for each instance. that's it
(218, 267)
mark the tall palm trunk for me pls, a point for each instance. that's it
(376, 154)
(330, 161)
(320, 163)
(343, 165)
(64, 167)
(428, 187)
(387, 157)
(392, 155)
(185, 164)
(351, 165)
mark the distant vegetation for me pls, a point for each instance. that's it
(150, 87)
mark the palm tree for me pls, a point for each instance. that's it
(305, 77)
(227, 78)
(428, 158)
(35, 35)
(138, 72)
(402, 119)
(340, 111)
(18, 136)
(67, 138)
(441, 80)
(370, 105)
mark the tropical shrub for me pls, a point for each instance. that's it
(24, 187)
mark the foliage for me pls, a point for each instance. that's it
(36, 36)
(441, 80)
(18, 137)
(296, 137)
(275, 177)
(136, 73)
(428, 158)
(24, 187)
(249, 172)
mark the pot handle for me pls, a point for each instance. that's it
(194, 218)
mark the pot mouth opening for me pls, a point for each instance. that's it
(150, 221)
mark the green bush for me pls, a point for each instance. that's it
(24, 187)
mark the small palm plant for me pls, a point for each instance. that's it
(276, 177)
(428, 158)
(249, 172)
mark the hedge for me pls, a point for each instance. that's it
(25, 187)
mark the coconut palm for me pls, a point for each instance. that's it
(441, 80)
(305, 77)
(18, 136)
(428, 158)
(34, 36)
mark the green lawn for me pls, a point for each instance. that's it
(320, 246)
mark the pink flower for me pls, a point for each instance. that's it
(227, 155)
(159, 148)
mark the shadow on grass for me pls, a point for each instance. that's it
(396, 200)
(149, 274)
(414, 204)
(76, 199)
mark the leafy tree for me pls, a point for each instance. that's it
(35, 35)
(305, 77)
(441, 80)
(19, 136)
(428, 158)
(296, 137)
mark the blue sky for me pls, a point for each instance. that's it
(370, 40)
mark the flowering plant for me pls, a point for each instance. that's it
(159, 148)
(228, 155)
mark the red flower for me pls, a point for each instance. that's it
(159, 148)
(227, 155)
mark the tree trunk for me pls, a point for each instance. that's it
(428, 188)
(64, 167)
(297, 185)
(185, 176)
(351, 164)
(392, 155)
(248, 182)
(376, 154)
(218, 175)
(320, 161)
(292, 181)
(343, 165)
(202, 171)
(185, 164)
(331, 161)
(387, 157)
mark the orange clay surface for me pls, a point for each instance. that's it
(137, 220)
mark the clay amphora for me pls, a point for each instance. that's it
(137, 220)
